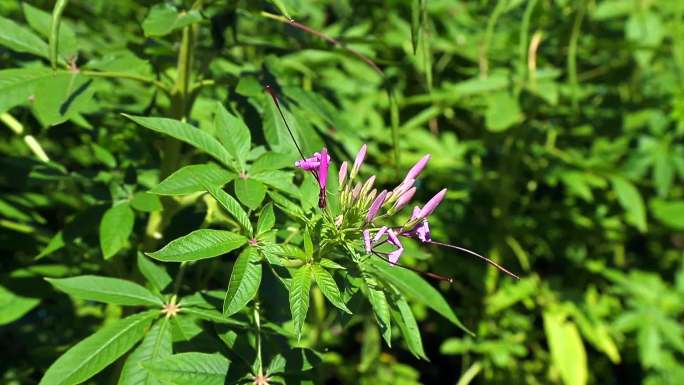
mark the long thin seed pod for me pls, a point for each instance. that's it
(501, 268)
(428, 274)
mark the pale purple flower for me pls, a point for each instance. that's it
(432, 204)
(404, 199)
(418, 167)
(360, 156)
(394, 240)
(308, 164)
(422, 231)
(343, 173)
(375, 206)
(367, 240)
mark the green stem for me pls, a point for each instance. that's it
(257, 322)
(53, 39)
(489, 34)
(572, 55)
(122, 75)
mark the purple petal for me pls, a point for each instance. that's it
(423, 232)
(380, 233)
(308, 164)
(394, 255)
(375, 206)
(432, 204)
(323, 176)
(416, 211)
(393, 239)
(418, 167)
(367, 240)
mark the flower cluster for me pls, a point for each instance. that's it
(360, 206)
(361, 203)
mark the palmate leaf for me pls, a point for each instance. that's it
(115, 228)
(199, 244)
(232, 206)
(328, 286)
(190, 369)
(156, 344)
(106, 289)
(188, 134)
(299, 297)
(381, 309)
(193, 178)
(417, 289)
(97, 351)
(244, 281)
(155, 275)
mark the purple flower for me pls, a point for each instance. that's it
(343, 173)
(422, 231)
(360, 156)
(367, 240)
(375, 206)
(432, 204)
(418, 167)
(394, 240)
(309, 164)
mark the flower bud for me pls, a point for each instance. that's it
(375, 206)
(360, 156)
(432, 204)
(343, 174)
(418, 167)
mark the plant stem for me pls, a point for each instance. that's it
(122, 75)
(257, 322)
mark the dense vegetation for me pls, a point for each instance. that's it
(155, 230)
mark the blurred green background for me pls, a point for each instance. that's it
(556, 125)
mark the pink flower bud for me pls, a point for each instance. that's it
(375, 206)
(432, 204)
(343, 174)
(418, 167)
(368, 185)
(367, 240)
(404, 199)
(360, 156)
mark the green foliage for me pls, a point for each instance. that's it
(155, 230)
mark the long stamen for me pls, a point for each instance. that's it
(436, 276)
(501, 268)
(289, 130)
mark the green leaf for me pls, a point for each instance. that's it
(299, 297)
(567, 350)
(244, 281)
(279, 180)
(146, 202)
(232, 206)
(670, 213)
(199, 244)
(97, 351)
(381, 309)
(155, 275)
(630, 199)
(115, 228)
(61, 96)
(403, 316)
(18, 84)
(503, 111)
(156, 344)
(266, 219)
(271, 161)
(250, 192)
(193, 178)
(13, 307)
(20, 39)
(328, 286)
(190, 369)
(164, 19)
(233, 133)
(416, 288)
(106, 289)
(188, 134)
(103, 155)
